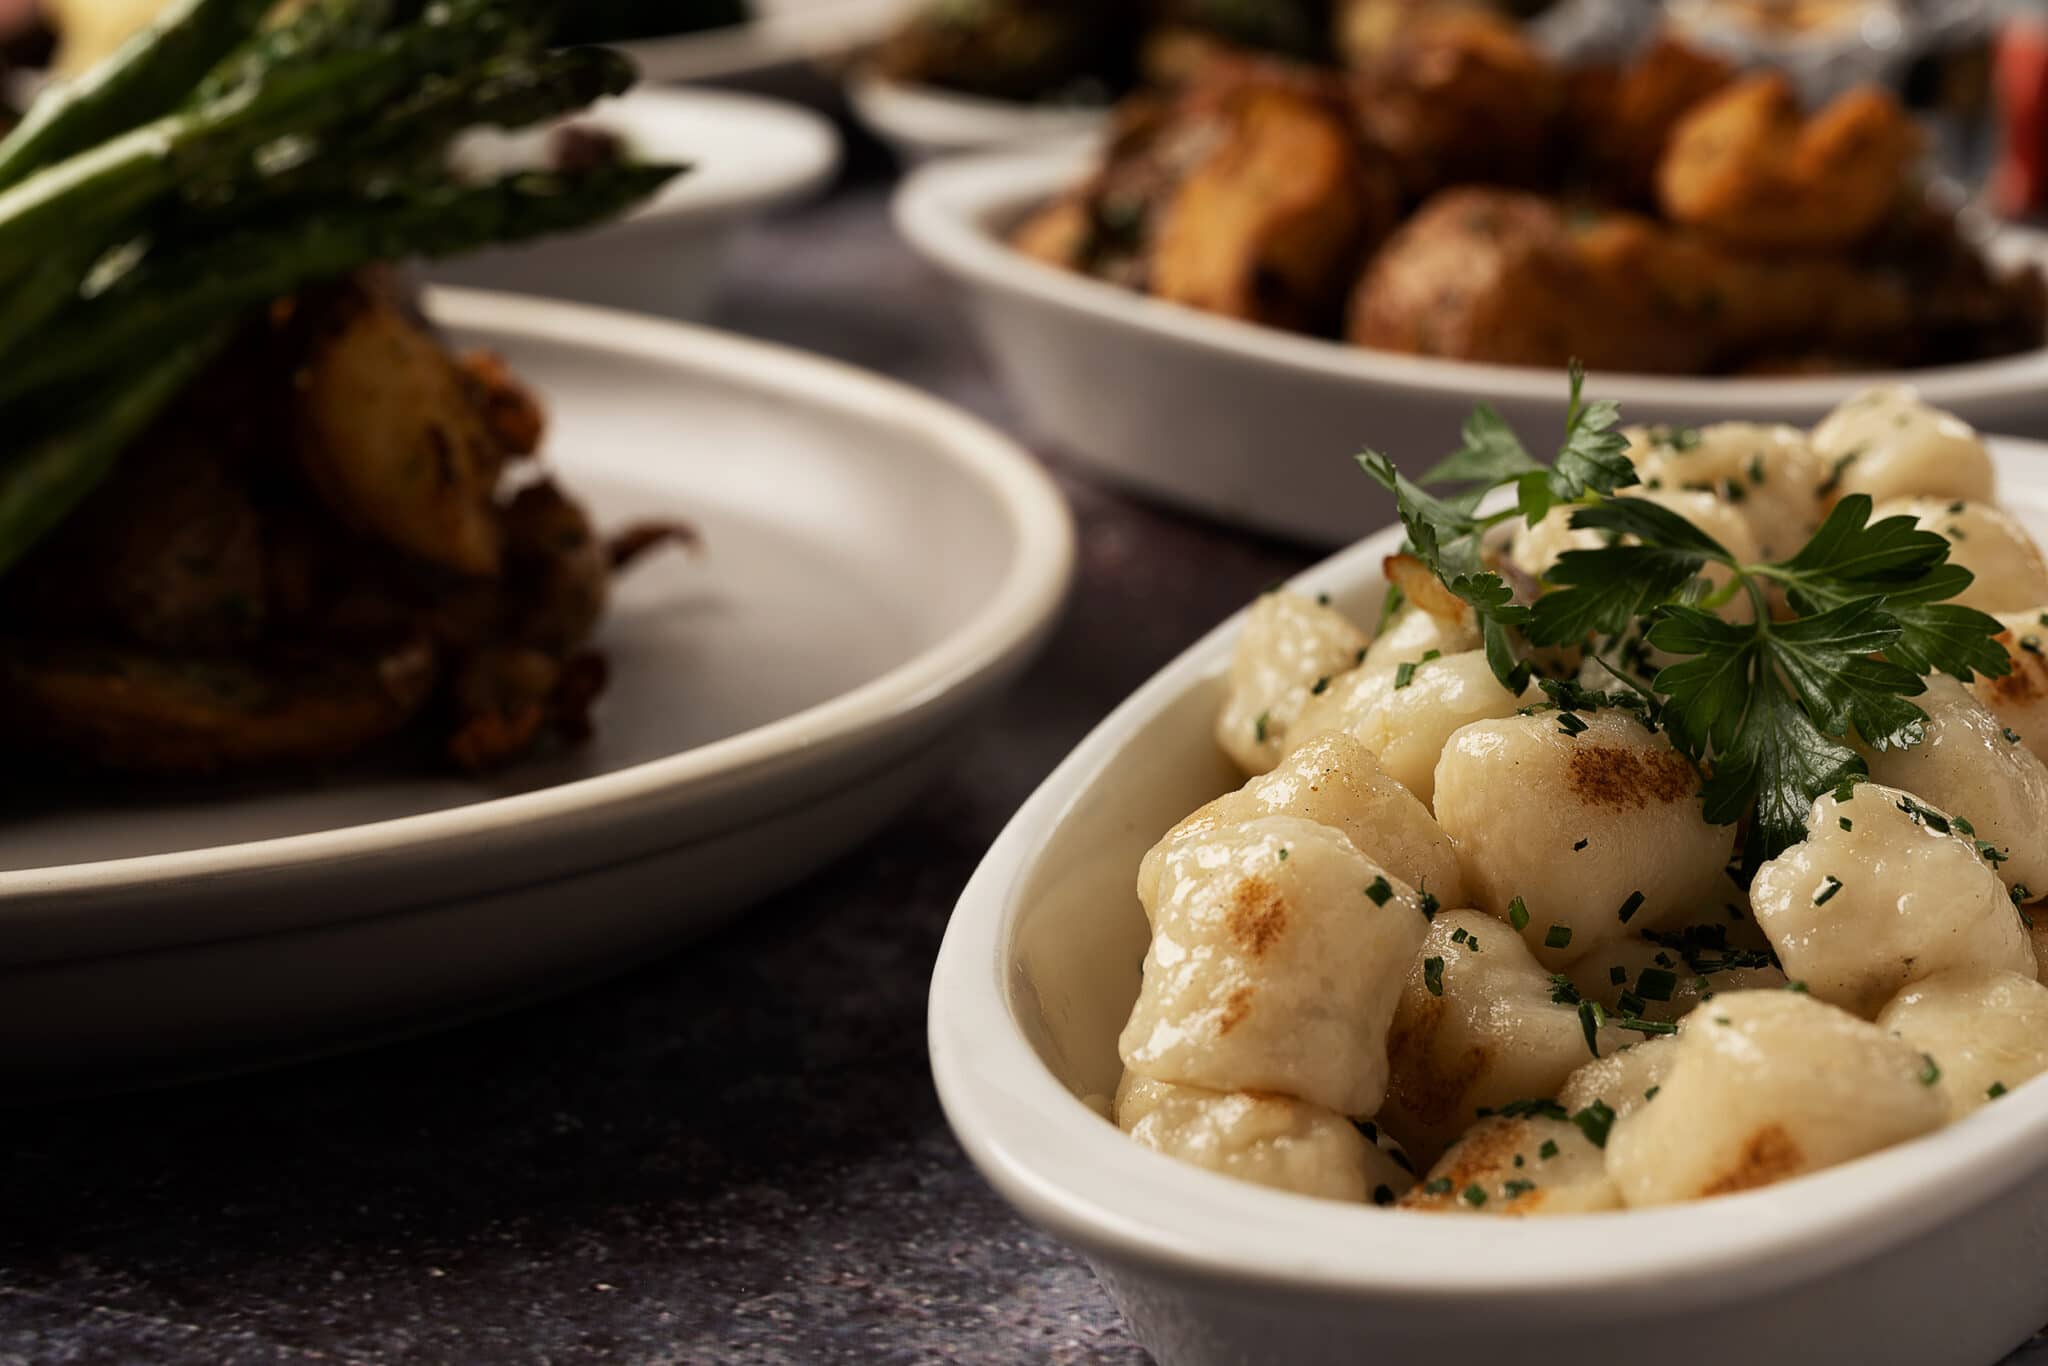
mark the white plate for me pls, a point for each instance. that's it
(922, 122)
(1928, 1254)
(876, 565)
(1257, 426)
(747, 156)
(784, 33)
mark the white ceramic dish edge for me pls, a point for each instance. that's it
(1007, 626)
(923, 122)
(1213, 1270)
(1169, 400)
(784, 34)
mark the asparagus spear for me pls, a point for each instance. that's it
(43, 483)
(222, 277)
(148, 76)
(119, 178)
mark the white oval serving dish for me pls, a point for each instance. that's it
(1928, 1254)
(747, 156)
(875, 566)
(1258, 427)
(921, 122)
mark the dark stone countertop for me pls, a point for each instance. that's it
(732, 1155)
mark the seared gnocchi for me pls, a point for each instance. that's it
(1487, 930)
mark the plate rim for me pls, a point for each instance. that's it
(1060, 1163)
(932, 120)
(766, 43)
(943, 209)
(1012, 616)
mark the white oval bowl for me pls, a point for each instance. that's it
(1928, 1254)
(774, 700)
(747, 156)
(1258, 427)
(921, 122)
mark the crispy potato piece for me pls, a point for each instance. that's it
(558, 571)
(1274, 220)
(389, 437)
(1461, 97)
(1622, 120)
(1747, 168)
(1484, 275)
(185, 715)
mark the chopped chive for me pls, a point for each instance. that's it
(1283, 853)
(1404, 675)
(1656, 984)
(1321, 686)
(1631, 906)
(1518, 914)
(2012, 737)
(1433, 975)
(1548, 1150)
(1827, 891)
(1383, 1195)
(1426, 902)
(1517, 1188)
(1594, 1121)
(1591, 1016)
(1930, 1071)
(1259, 727)
(1580, 846)
(1440, 1186)
(1380, 891)
(1651, 1094)
(1558, 936)
(1568, 723)
(1995, 1090)
(1474, 1195)
(1617, 974)
(1846, 823)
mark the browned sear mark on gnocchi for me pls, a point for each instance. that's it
(1257, 916)
(1236, 1007)
(1628, 779)
(1431, 1089)
(1771, 1154)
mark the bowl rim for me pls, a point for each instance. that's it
(931, 119)
(1065, 1167)
(950, 212)
(778, 38)
(1024, 602)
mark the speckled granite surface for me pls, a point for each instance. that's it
(733, 1155)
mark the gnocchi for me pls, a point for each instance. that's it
(1886, 443)
(1554, 814)
(1766, 1085)
(1883, 892)
(1488, 929)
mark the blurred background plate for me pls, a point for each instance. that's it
(747, 156)
(920, 122)
(774, 701)
(783, 33)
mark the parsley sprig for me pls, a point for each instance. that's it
(1765, 706)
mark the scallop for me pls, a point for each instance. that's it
(2010, 573)
(1480, 1024)
(1886, 443)
(1267, 1140)
(1290, 646)
(1882, 892)
(1986, 1032)
(1970, 765)
(1767, 1085)
(1335, 781)
(1591, 822)
(1279, 952)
